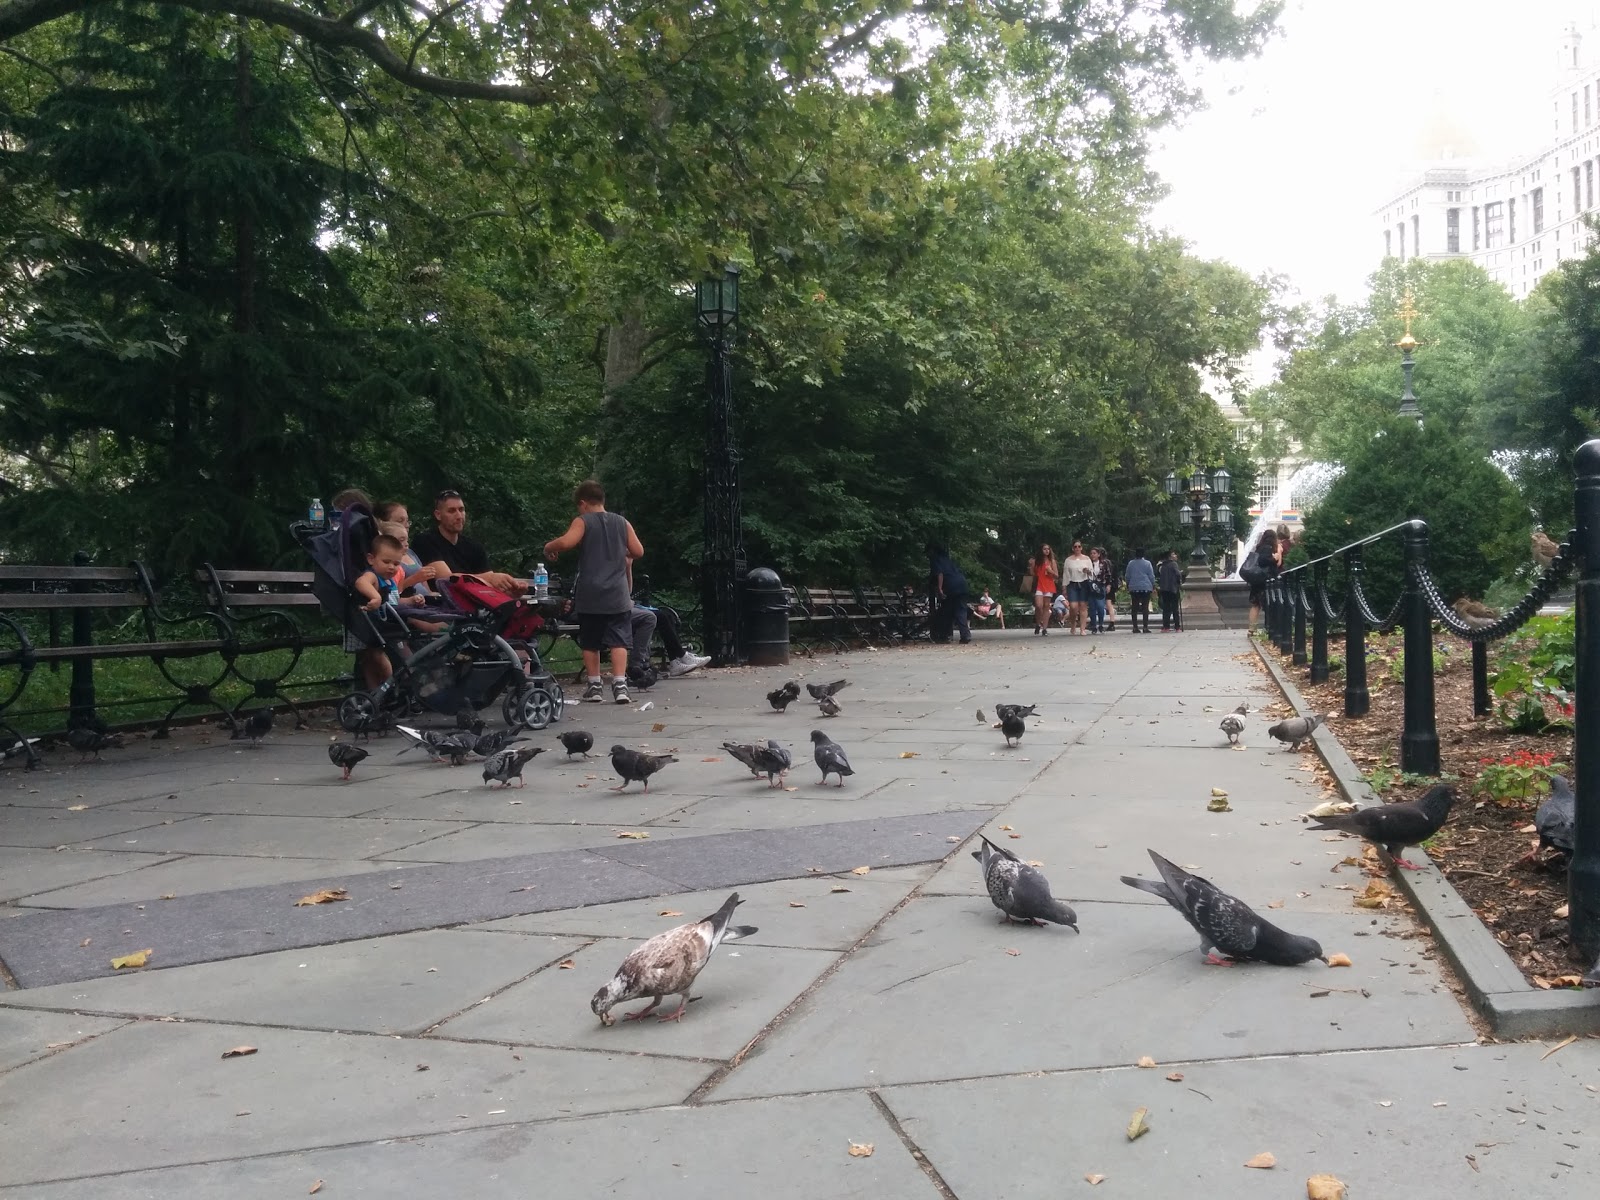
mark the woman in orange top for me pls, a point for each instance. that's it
(1042, 566)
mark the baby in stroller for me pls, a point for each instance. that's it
(484, 651)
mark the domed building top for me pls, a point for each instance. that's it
(1442, 137)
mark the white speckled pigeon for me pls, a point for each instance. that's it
(667, 965)
(1019, 891)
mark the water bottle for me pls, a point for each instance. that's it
(316, 514)
(541, 582)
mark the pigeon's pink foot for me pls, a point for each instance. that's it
(641, 1014)
(1034, 921)
(1407, 864)
(622, 788)
(676, 1014)
(1213, 961)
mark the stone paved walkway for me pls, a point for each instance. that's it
(431, 1037)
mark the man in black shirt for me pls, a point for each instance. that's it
(448, 550)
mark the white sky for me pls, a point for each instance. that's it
(1299, 146)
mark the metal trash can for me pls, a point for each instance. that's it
(766, 619)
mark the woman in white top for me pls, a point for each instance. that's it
(1075, 571)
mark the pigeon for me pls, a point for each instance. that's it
(1475, 615)
(1556, 822)
(379, 722)
(829, 706)
(1233, 726)
(21, 746)
(456, 747)
(821, 691)
(746, 754)
(1225, 922)
(345, 756)
(1396, 826)
(830, 757)
(1544, 550)
(774, 761)
(576, 741)
(1295, 730)
(487, 745)
(427, 739)
(88, 741)
(667, 965)
(255, 727)
(781, 698)
(468, 719)
(507, 764)
(1243, 709)
(1023, 711)
(1013, 727)
(1018, 890)
(634, 764)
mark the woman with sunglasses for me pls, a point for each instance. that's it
(1076, 569)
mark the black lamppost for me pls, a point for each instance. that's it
(1408, 400)
(722, 562)
(1196, 511)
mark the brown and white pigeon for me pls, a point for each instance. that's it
(1295, 730)
(829, 706)
(1475, 614)
(634, 764)
(1019, 891)
(1544, 550)
(1396, 826)
(345, 756)
(667, 965)
(745, 753)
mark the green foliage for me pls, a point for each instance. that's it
(1516, 779)
(1534, 674)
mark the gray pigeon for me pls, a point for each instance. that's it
(1013, 727)
(345, 756)
(577, 741)
(830, 757)
(1001, 711)
(633, 764)
(1018, 890)
(255, 727)
(468, 720)
(781, 698)
(982, 720)
(1556, 822)
(487, 745)
(773, 760)
(87, 741)
(1396, 826)
(1225, 922)
(1233, 726)
(667, 965)
(508, 763)
(1295, 730)
(829, 706)
(427, 739)
(456, 747)
(820, 691)
(746, 754)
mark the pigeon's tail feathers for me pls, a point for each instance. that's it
(735, 932)
(1156, 887)
(1000, 850)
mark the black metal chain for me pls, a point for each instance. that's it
(1514, 618)
(1373, 620)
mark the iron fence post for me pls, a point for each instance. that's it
(1419, 743)
(1319, 624)
(1285, 630)
(1356, 699)
(1481, 704)
(1583, 875)
(80, 696)
(1297, 597)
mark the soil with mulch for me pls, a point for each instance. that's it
(1483, 848)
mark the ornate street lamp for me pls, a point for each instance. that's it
(1408, 400)
(1196, 512)
(722, 564)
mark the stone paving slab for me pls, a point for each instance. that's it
(42, 827)
(274, 837)
(532, 805)
(153, 1094)
(508, 840)
(761, 808)
(1473, 1121)
(785, 1149)
(324, 797)
(25, 871)
(401, 984)
(937, 976)
(741, 990)
(197, 874)
(25, 1036)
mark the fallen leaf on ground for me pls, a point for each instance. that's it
(1137, 1126)
(910, 754)
(1012, 952)
(85, 942)
(1146, 1061)
(1175, 1077)
(1377, 895)
(1034, 862)
(238, 1052)
(1005, 829)
(861, 1149)
(1014, 836)
(1274, 903)
(1558, 1046)
(1219, 792)
(657, 727)
(859, 870)
(168, 896)
(137, 959)
(565, 965)
(796, 904)
(1324, 1187)
(1219, 805)
(1561, 913)
(713, 758)
(76, 807)
(1263, 1161)
(325, 896)
(838, 889)
(315, 1188)
(952, 839)
(669, 912)
(633, 835)
(422, 1066)
(1091, 1180)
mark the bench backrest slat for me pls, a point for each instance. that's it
(255, 577)
(65, 600)
(32, 574)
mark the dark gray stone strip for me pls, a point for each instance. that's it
(47, 946)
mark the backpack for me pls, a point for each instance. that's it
(1251, 570)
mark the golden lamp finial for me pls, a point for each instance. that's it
(1407, 313)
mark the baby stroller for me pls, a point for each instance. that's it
(484, 653)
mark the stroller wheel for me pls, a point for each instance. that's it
(533, 707)
(358, 712)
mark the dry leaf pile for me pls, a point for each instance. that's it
(325, 896)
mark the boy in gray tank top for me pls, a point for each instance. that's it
(602, 599)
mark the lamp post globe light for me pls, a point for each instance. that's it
(1197, 513)
(722, 562)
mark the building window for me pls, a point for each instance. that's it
(1267, 485)
(1538, 211)
(1574, 112)
(1493, 224)
(1452, 231)
(1588, 183)
(1477, 233)
(1577, 190)
(1588, 116)
(1388, 243)
(1511, 220)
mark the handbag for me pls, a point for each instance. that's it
(1096, 588)
(1026, 586)
(1251, 570)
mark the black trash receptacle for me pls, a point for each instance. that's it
(766, 619)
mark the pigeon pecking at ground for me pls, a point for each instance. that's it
(507, 765)
(821, 691)
(830, 756)
(1225, 922)
(746, 754)
(1019, 891)
(774, 761)
(634, 764)
(576, 741)
(829, 706)
(1295, 730)
(1233, 726)
(1556, 822)
(425, 739)
(486, 745)
(88, 741)
(345, 756)
(667, 965)
(1013, 727)
(456, 746)
(1396, 826)
(255, 727)
(781, 698)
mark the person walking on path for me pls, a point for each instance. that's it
(1170, 580)
(1046, 576)
(1099, 584)
(947, 592)
(1259, 567)
(606, 546)
(1141, 576)
(1076, 569)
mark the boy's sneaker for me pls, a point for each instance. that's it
(686, 663)
(592, 694)
(619, 692)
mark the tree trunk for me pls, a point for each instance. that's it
(625, 344)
